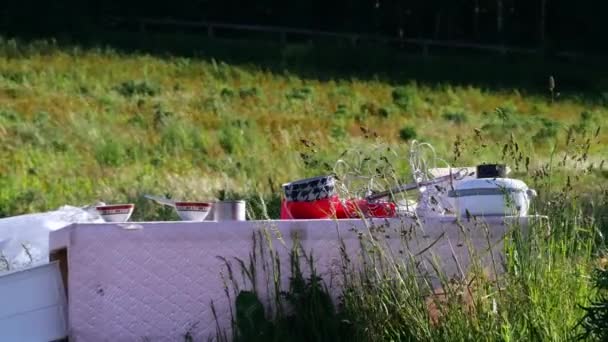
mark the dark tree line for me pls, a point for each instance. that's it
(554, 24)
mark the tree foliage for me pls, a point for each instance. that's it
(557, 24)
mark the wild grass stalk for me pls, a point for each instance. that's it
(529, 285)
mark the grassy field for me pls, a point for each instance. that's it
(84, 125)
(79, 126)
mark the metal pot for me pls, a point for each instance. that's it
(229, 211)
(492, 196)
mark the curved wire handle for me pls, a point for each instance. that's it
(366, 166)
(374, 168)
(343, 178)
(421, 166)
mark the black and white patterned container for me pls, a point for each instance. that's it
(310, 189)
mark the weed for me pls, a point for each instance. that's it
(369, 108)
(138, 120)
(548, 130)
(227, 93)
(506, 112)
(161, 116)
(231, 137)
(249, 92)
(342, 110)
(304, 311)
(595, 321)
(408, 133)
(132, 88)
(456, 117)
(405, 97)
(109, 153)
(338, 132)
(302, 93)
(14, 76)
(8, 115)
(586, 121)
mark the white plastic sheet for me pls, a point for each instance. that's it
(24, 239)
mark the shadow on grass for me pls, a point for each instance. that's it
(332, 60)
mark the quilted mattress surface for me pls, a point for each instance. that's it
(156, 281)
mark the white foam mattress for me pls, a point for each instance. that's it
(156, 281)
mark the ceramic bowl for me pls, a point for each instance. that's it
(193, 211)
(115, 212)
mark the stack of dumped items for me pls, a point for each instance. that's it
(24, 239)
(484, 190)
(33, 293)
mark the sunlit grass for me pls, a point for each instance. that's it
(534, 288)
(83, 125)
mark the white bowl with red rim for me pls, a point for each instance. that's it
(115, 212)
(193, 211)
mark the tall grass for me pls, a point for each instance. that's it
(537, 288)
(595, 322)
(543, 284)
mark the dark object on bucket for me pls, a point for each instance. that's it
(310, 189)
(491, 171)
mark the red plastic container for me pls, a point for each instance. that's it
(333, 207)
(361, 207)
(320, 209)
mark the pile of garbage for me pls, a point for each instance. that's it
(24, 239)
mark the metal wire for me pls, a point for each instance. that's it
(362, 171)
(433, 199)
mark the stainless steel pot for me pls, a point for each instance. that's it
(229, 211)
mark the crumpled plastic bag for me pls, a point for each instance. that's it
(24, 239)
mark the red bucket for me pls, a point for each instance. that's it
(361, 207)
(333, 207)
(319, 209)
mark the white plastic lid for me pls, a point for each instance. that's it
(487, 186)
(492, 183)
